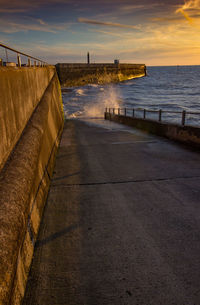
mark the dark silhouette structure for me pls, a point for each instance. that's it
(88, 58)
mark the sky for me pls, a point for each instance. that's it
(153, 32)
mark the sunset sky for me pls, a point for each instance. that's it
(153, 32)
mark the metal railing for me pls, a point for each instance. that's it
(36, 61)
(131, 112)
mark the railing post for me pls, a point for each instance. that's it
(118, 111)
(29, 62)
(106, 110)
(183, 117)
(19, 60)
(144, 113)
(109, 110)
(133, 112)
(160, 115)
(113, 110)
(6, 55)
(1, 62)
(125, 111)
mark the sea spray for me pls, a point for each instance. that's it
(109, 96)
(90, 101)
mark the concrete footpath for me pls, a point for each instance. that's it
(122, 221)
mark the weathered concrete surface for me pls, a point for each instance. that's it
(82, 74)
(189, 135)
(122, 222)
(21, 91)
(24, 184)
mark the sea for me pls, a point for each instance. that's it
(169, 88)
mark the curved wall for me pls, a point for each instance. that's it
(25, 177)
(21, 90)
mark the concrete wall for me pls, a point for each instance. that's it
(25, 177)
(185, 134)
(82, 74)
(21, 90)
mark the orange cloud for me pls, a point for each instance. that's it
(189, 5)
(185, 14)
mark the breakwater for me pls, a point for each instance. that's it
(81, 74)
(31, 122)
(188, 135)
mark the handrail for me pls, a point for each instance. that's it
(151, 110)
(159, 111)
(24, 54)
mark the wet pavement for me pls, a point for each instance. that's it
(122, 221)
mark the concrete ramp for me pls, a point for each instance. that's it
(121, 225)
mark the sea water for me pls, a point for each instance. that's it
(173, 89)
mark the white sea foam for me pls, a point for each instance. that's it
(73, 115)
(109, 97)
(80, 91)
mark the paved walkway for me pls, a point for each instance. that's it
(122, 221)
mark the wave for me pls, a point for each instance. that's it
(167, 88)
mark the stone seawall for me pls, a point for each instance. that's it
(34, 118)
(82, 74)
(184, 134)
(21, 90)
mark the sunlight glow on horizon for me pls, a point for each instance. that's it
(142, 31)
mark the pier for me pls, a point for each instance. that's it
(82, 74)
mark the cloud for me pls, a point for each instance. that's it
(119, 25)
(18, 6)
(185, 14)
(41, 22)
(132, 7)
(107, 33)
(8, 26)
(12, 10)
(167, 19)
(144, 6)
(191, 5)
(13, 27)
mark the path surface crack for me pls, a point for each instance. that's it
(122, 182)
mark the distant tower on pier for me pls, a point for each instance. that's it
(88, 58)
